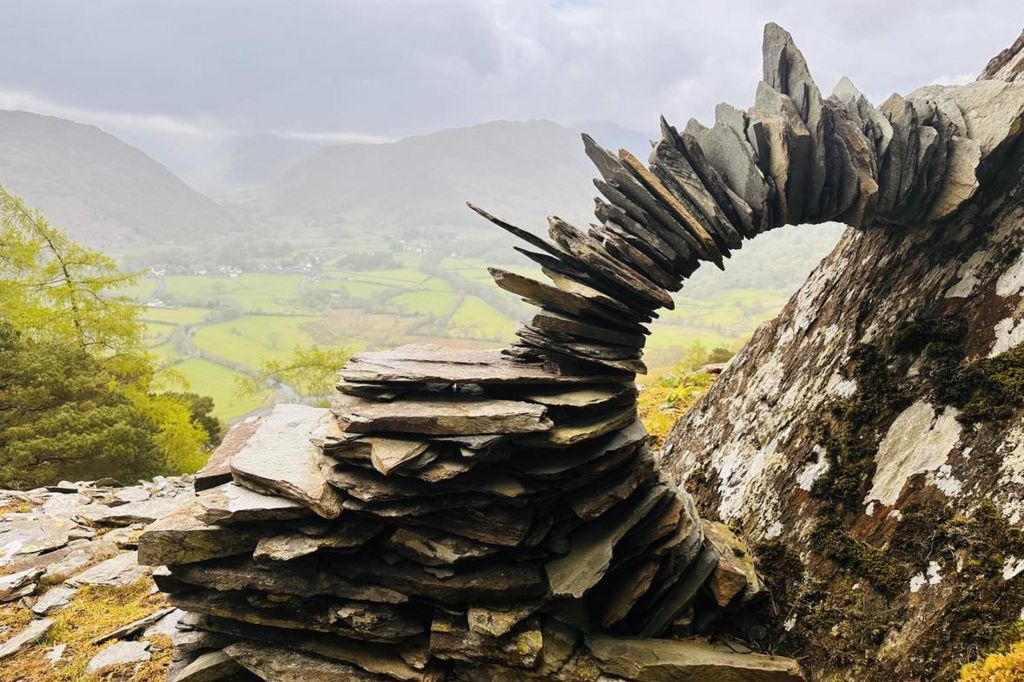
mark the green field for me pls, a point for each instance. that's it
(214, 329)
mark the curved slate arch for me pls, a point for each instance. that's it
(794, 157)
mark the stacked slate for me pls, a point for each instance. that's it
(454, 515)
(498, 515)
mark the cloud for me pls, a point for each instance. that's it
(335, 71)
(330, 137)
(152, 123)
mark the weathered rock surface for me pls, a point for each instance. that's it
(868, 441)
(662, 660)
(27, 637)
(279, 458)
(121, 653)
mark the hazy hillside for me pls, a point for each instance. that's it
(521, 170)
(102, 191)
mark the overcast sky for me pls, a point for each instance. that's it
(369, 70)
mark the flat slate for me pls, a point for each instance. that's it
(405, 662)
(348, 535)
(181, 538)
(661, 660)
(436, 548)
(280, 664)
(122, 653)
(14, 586)
(231, 503)
(456, 415)
(569, 433)
(218, 467)
(53, 599)
(207, 667)
(451, 638)
(280, 459)
(302, 577)
(32, 633)
(123, 569)
(593, 545)
(423, 364)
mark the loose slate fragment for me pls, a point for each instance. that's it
(302, 577)
(455, 415)
(658, 660)
(287, 665)
(32, 633)
(181, 538)
(436, 548)
(451, 639)
(207, 667)
(279, 458)
(231, 503)
(14, 586)
(593, 545)
(423, 364)
(735, 573)
(218, 468)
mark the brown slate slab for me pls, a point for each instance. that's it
(424, 364)
(218, 468)
(660, 660)
(442, 415)
(280, 459)
(181, 538)
(593, 544)
(231, 503)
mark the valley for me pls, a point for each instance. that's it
(213, 327)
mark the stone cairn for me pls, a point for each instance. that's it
(498, 515)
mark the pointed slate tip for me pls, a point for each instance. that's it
(846, 88)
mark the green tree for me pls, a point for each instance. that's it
(94, 387)
(310, 371)
(60, 417)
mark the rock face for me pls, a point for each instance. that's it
(869, 441)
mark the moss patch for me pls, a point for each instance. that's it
(93, 612)
(848, 594)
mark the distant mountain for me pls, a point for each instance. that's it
(100, 190)
(523, 171)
